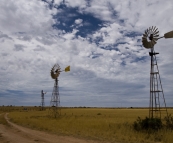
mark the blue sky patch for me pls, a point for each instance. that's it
(131, 33)
(144, 58)
(66, 21)
(15, 91)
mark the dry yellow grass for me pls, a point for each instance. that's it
(93, 123)
(2, 119)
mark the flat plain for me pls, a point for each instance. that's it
(99, 124)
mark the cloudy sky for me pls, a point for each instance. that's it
(99, 39)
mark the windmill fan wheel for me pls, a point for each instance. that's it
(150, 37)
(55, 71)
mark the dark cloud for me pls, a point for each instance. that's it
(26, 38)
(39, 48)
(19, 47)
(45, 40)
(4, 54)
(5, 36)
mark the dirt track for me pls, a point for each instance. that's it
(18, 134)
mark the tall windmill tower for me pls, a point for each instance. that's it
(55, 99)
(157, 100)
(42, 99)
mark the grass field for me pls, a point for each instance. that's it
(92, 123)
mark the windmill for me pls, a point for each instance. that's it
(55, 99)
(157, 100)
(42, 99)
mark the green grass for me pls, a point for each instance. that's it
(93, 123)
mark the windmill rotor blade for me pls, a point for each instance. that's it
(145, 43)
(146, 32)
(156, 36)
(150, 45)
(155, 31)
(153, 43)
(144, 35)
(168, 34)
(149, 30)
(154, 28)
(155, 39)
(144, 38)
(147, 47)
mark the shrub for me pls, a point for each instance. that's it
(169, 121)
(148, 124)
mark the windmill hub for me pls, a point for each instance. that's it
(151, 37)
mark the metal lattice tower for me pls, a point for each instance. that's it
(157, 100)
(55, 100)
(42, 100)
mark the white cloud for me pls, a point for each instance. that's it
(76, 3)
(78, 21)
(25, 16)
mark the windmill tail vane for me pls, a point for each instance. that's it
(67, 69)
(168, 34)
